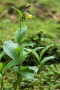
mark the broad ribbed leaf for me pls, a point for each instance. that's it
(9, 49)
(12, 63)
(45, 60)
(28, 73)
(43, 51)
(20, 34)
(25, 71)
(34, 68)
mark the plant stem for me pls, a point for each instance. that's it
(19, 77)
(15, 85)
(2, 86)
(20, 24)
(49, 84)
(40, 78)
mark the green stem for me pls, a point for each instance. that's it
(19, 79)
(15, 85)
(2, 86)
(40, 80)
(20, 24)
(19, 84)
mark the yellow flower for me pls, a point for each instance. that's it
(26, 16)
(29, 16)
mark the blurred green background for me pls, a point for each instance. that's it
(46, 18)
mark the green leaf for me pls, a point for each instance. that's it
(22, 68)
(43, 51)
(27, 73)
(12, 63)
(1, 66)
(18, 49)
(19, 12)
(37, 48)
(16, 68)
(9, 49)
(20, 34)
(45, 60)
(28, 50)
(34, 68)
(28, 44)
(2, 54)
(23, 55)
(36, 55)
(33, 51)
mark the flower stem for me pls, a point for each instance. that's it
(20, 24)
